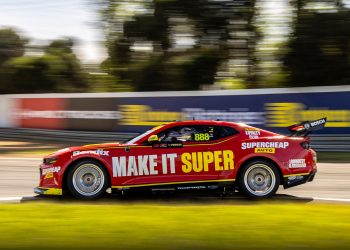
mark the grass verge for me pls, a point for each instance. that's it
(137, 226)
(334, 157)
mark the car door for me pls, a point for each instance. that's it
(183, 154)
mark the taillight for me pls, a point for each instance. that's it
(305, 145)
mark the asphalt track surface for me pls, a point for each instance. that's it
(18, 177)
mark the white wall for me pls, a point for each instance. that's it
(7, 111)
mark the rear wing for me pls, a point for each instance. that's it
(305, 128)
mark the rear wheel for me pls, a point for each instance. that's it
(259, 179)
(87, 179)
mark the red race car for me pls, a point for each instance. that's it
(186, 155)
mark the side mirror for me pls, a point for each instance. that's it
(153, 139)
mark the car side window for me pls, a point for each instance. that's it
(177, 134)
(223, 132)
(197, 133)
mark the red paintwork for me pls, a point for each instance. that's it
(281, 156)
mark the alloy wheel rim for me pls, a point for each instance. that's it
(88, 179)
(259, 179)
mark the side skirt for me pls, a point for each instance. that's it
(180, 186)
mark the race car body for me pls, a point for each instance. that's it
(184, 155)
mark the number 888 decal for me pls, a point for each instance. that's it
(202, 137)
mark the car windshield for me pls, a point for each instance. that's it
(135, 139)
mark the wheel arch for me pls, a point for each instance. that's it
(257, 158)
(65, 189)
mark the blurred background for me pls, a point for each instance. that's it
(89, 71)
(152, 45)
(59, 60)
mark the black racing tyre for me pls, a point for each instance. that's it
(259, 179)
(87, 179)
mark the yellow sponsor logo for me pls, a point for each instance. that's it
(202, 137)
(143, 115)
(202, 161)
(49, 175)
(284, 114)
(189, 162)
(265, 150)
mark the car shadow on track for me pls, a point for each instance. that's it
(172, 198)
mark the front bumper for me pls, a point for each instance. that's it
(295, 180)
(48, 191)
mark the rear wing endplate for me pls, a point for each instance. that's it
(305, 128)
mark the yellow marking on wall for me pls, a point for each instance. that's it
(143, 115)
(285, 114)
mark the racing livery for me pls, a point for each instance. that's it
(186, 155)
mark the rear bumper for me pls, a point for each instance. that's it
(295, 180)
(48, 191)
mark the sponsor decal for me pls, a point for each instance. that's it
(295, 178)
(252, 133)
(202, 137)
(167, 145)
(265, 150)
(191, 187)
(48, 172)
(94, 152)
(49, 175)
(283, 114)
(319, 122)
(242, 115)
(29, 108)
(69, 114)
(145, 115)
(201, 161)
(249, 145)
(165, 164)
(297, 163)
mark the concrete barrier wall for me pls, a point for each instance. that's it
(7, 111)
(272, 109)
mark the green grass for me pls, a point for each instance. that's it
(174, 226)
(334, 157)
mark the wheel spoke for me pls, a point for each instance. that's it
(88, 179)
(259, 179)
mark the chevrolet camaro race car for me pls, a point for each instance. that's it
(186, 155)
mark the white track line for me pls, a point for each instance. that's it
(20, 158)
(331, 199)
(18, 198)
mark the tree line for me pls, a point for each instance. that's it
(187, 45)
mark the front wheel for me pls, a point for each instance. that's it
(87, 180)
(259, 179)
